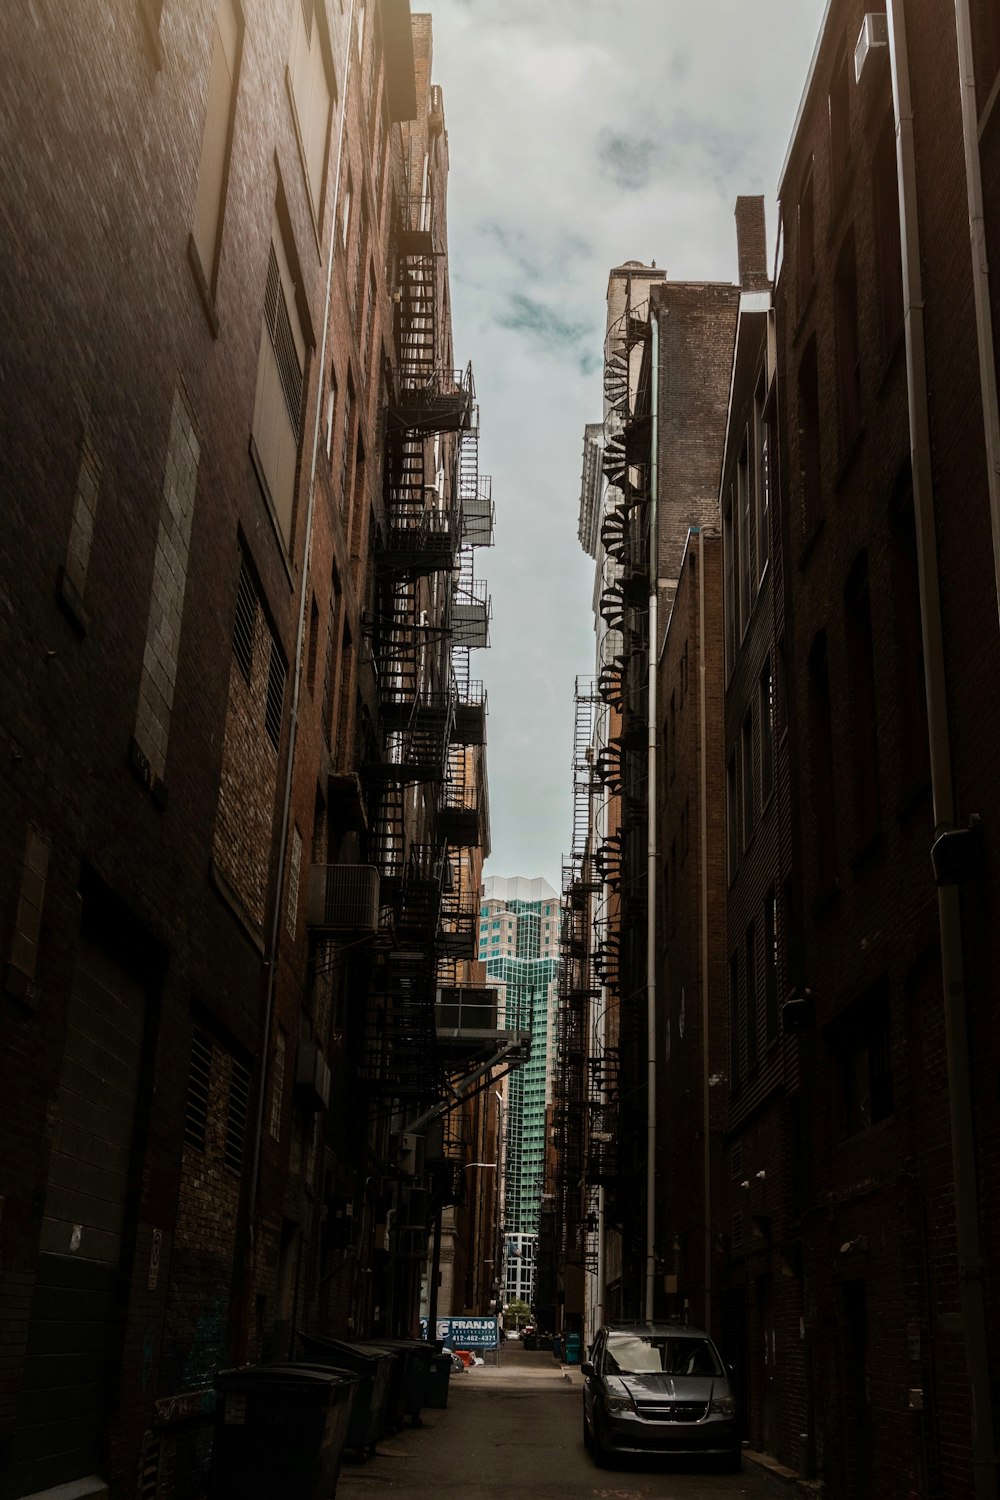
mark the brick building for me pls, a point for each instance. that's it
(231, 801)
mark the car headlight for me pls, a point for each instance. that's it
(618, 1403)
(722, 1406)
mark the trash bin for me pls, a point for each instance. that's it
(417, 1356)
(374, 1369)
(572, 1348)
(438, 1376)
(279, 1430)
(530, 1342)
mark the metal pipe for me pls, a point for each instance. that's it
(651, 859)
(300, 638)
(980, 273)
(705, 1031)
(949, 910)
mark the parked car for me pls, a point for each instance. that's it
(658, 1388)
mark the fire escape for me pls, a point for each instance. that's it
(617, 1067)
(577, 1017)
(407, 758)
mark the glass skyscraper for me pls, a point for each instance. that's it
(519, 944)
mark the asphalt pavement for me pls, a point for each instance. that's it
(515, 1430)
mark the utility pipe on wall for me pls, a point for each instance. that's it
(706, 1109)
(980, 272)
(651, 860)
(949, 910)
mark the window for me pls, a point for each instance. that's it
(345, 455)
(236, 1116)
(199, 1083)
(734, 1020)
(888, 254)
(310, 74)
(762, 420)
(821, 767)
(806, 262)
(278, 400)
(732, 814)
(751, 1007)
(809, 439)
(345, 209)
(746, 763)
(845, 308)
(864, 719)
(744, 502)
(216, 143)
(840, 125)
(277, 1084)
(245, 620)
(771, 1015)
(730, 600)
(766, 708)
(294, 873)
(330, 414)
(864, 1043)
(313, 644)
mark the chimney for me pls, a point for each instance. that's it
(751, 244)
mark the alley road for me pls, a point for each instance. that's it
(516, 1431)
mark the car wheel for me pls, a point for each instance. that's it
(588, 1441)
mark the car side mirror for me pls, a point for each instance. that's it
(587, 1367)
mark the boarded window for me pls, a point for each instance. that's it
(213, 170)
(313, 90)
(278, 400)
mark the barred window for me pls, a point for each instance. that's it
(236, 1117)
(199, 1079)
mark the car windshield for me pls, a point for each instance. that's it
(670, 1354)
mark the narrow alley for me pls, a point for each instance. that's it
(515, 1430)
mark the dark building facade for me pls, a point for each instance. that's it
(244, 753)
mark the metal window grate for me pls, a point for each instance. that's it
(246, 616)
(198, 1085)
(236, 1119)
(736, 1161)
(275, 696)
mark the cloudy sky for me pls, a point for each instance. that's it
(582, 133)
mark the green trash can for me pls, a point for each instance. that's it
(416, 1356)
(373, 1368)
(438, 1376)
(279, 1430)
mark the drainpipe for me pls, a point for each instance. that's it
(949, 910)
(654, 572)
(300, 637)
(703, 839)
(980, 272)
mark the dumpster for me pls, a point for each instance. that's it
(416, 1356)
(373, 1369)
(438, 1376)
(279, 1430)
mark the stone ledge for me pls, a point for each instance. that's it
(783, 1474)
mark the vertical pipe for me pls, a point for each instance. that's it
(949, 911)
(654, 572)
(980, 272)
(703, 840)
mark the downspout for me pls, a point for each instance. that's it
(980, 273)
(300, 637)
(654, 571)
(703, 839)
(949, 911)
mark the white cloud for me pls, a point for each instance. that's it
(582, 133)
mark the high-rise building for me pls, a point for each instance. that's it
(519, 943)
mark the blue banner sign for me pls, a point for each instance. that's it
(466, 1333)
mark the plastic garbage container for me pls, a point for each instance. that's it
(438, 1377)
(374, 1369)
(417, 1356)
(279, 1430)
(572, 1348)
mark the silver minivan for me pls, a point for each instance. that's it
(659, 1388)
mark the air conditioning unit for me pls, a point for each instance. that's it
(873, 41)
(344, 898)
